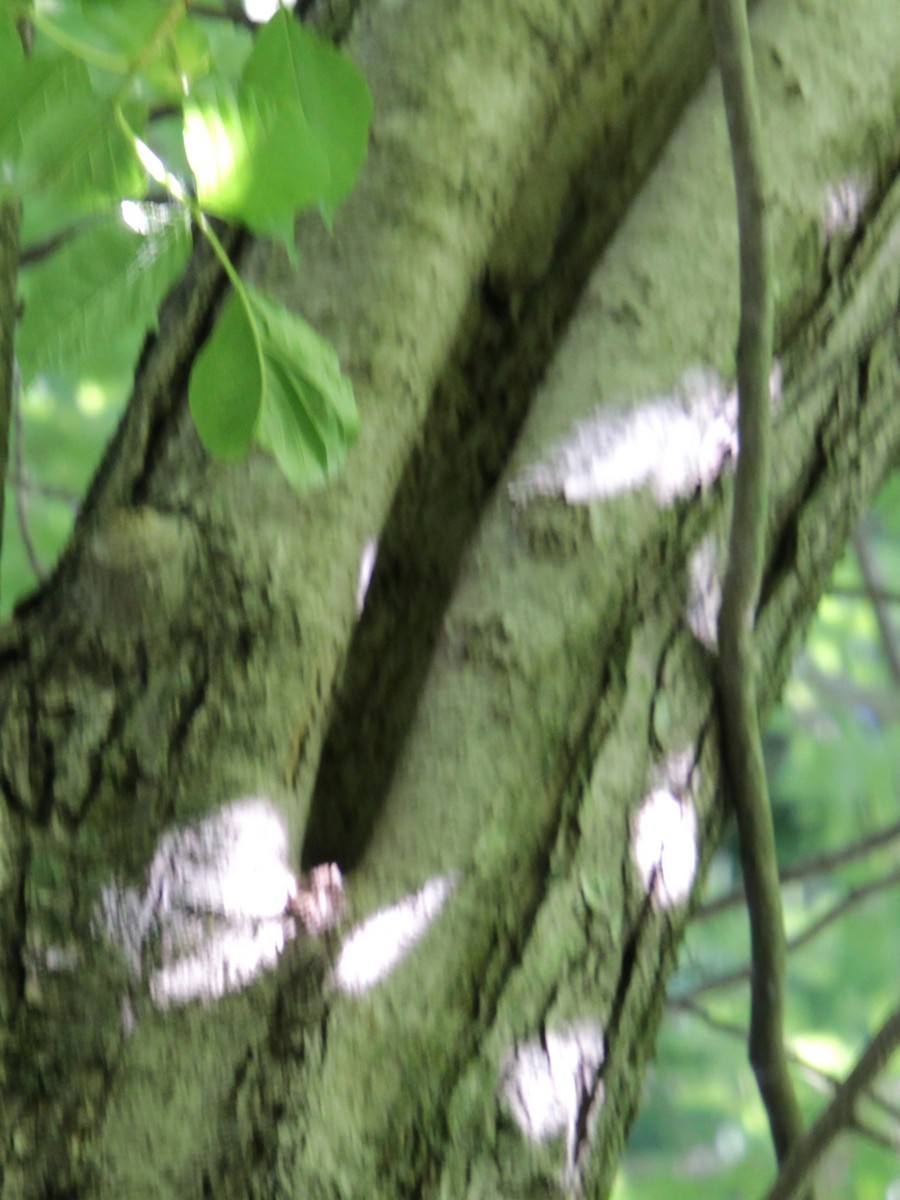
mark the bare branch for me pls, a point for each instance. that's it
(816, 1077)
(740, 593)
(846, 591)
(854, 897)
(47, 491)
(821, 864)
(840, 1113)
(233, 13)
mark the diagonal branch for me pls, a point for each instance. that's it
(816, 1076)
(740, 593)
(839, 909)
(820, 864)
(839, 1114)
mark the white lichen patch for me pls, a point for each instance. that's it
(704, 592)
(367, 561)
(672, 444)
(552, 1087)
(665, 846)
(212, 915)
(373, 948)
(843, 206)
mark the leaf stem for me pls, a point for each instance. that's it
(116, 64)
(160, 173)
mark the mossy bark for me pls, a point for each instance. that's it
(526, 672)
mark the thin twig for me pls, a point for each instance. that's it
(47, 491)
(847, 591)
(804, 1155)
(816, 1076)
(821, 864)
(852, 898)
(878, 1138)
(842, 694)
(740, 592)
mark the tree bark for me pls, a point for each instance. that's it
(519, 730)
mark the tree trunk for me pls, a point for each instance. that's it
(513, 751)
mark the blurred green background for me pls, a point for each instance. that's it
(833, 754)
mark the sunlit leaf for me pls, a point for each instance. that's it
(253, 163)
(88, 306)
(296, 69)
(273, 146)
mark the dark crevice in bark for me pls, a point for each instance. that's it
(505, 953)
(12, 947)
(473, 424)
(192, 704)
(13, 800)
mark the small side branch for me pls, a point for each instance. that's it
(839, 1114)
(822, 1080)
(736, 665)
(839, 909)
(821, 864)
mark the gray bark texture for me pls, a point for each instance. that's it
(513, 752)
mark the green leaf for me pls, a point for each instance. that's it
(294, 134)
(183, 59)
(229, 48)
(226, 386)
(88, 305)
(253, 163)
(266, 373)
(296, 69)
(114, 36)
(11, 53)
(156, 45)
(57, 133)
(309, 418)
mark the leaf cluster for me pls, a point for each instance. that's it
(124, 127)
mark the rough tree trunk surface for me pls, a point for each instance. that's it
(513, 751)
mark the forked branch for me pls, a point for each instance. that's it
(839, 1114)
